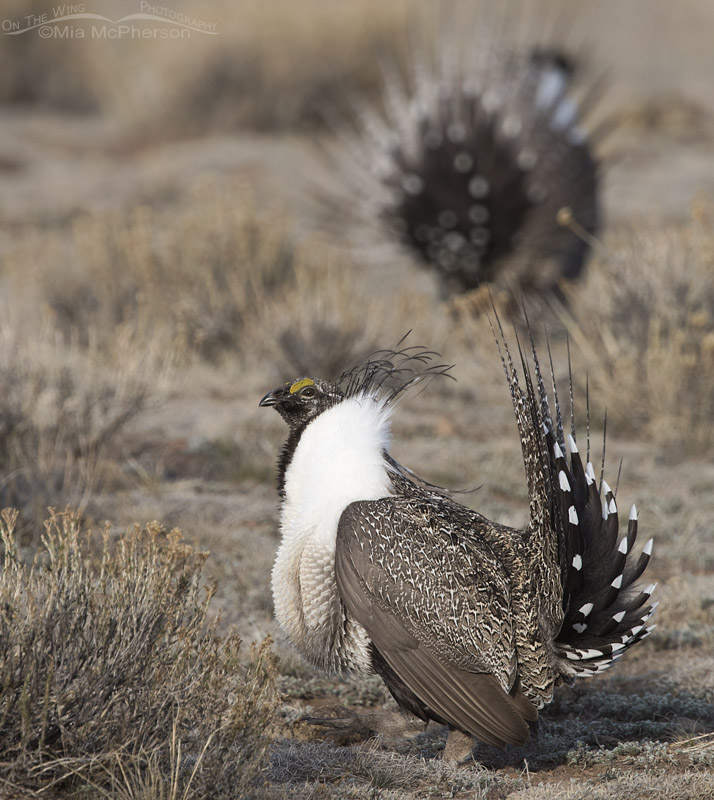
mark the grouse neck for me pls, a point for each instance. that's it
(286, 456)
(336, 459)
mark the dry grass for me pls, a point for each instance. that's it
(265, 69)
(631, 723)
(209, 277)
(107, 310)
(330, 317)
(366, 772)
(643, 324)
(650, 785)
(62, 409)
(113, 677)
(193, 274)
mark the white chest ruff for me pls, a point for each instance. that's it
(339, 459)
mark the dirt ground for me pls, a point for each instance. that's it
(203, 459)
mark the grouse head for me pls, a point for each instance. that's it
(384, 375)
(298, 402)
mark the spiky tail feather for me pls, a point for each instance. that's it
(585, 570)
(475, 154)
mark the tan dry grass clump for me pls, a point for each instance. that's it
(643, 322)
(333, 314)
(112, 675)
(62, 409)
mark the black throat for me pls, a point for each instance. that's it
(286, 455)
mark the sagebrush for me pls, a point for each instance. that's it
(112, 673)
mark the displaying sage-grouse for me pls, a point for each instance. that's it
(473, 158)
(469, 623)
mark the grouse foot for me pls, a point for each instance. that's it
(459, 748)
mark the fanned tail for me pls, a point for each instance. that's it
(605, 613)
(584, 567)
(474, 155)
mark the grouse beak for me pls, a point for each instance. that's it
(268, 400)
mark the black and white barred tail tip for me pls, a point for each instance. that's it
(474, 156)
(574, 519)
(604, 612)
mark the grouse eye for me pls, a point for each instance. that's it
(308, 392)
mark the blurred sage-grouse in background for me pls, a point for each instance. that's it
(473, 158)
(468, 622)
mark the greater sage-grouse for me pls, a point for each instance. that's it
(468, 622)
(473, 157)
